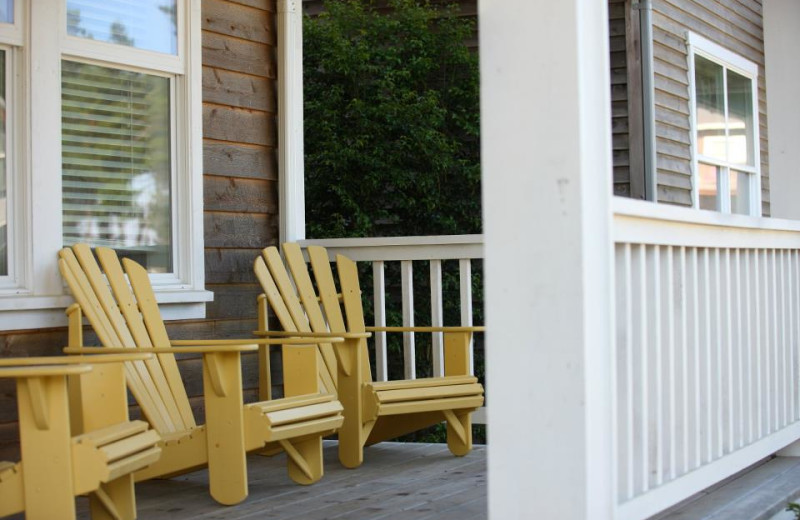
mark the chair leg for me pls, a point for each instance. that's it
(114, 500)
(459, 432)
(304, 459)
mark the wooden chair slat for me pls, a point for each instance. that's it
(84, 293)
(302, 280)
(286, 289)
(353, 306)
(151, 316)
(139, 336)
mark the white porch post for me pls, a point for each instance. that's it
(546, 133)
(781, 42)
(291, 187)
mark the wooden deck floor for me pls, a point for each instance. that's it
(408, 481)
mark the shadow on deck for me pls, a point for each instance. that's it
(408, 481)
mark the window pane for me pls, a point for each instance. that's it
(740, 192)
(3, 171)
(116, 161)
(710, 108)
(741, 138)
(144, 24)
(6, 12)
(709, 186)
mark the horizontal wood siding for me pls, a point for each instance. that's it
(737, 26)
(620, 97)
(240, 196)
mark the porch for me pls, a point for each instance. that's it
(410, 481)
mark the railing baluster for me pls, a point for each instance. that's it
(436, 317)
(717, 402)
(673, 397)
(696, 315)
(740, 320)
(465, 289)
(630, 444)
(379, 299)
(783, 390)
(729, 403)
(409, 352)
(760, 301)
(644, 426)
(658, 380)
(750, 330)
(684, 359)
(709, 380)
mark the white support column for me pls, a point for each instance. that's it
(546, 134)
(291, 186)
(781, 42)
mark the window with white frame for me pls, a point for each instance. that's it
(100, 142)
(723, 90)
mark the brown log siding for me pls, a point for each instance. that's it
(240, 195)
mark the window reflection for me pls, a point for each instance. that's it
(144, 24)
(710, 92)
(6, 11)
(709, 187)
(740, 192)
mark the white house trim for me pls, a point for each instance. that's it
(291, 183)
(548, 264)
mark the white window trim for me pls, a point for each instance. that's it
(697, 45)
(37, 297)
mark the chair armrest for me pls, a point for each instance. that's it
(207, 349)
(478, 328)
(299, 339)
(43, 370)
(97, 357)
(328, 336)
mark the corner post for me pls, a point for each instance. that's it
(547, 184)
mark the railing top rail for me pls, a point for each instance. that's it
(662, 224)
(441, 247)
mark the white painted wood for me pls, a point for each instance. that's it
(781, 20)
(379, 309)
(673, 492)
(437, 318)
(409, 352)
(532, 209)
(290, 122)
(465, 298)
(441, 247)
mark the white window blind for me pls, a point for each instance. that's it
(116, 161)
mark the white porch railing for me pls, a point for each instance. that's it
(707, 329)
(430, 250)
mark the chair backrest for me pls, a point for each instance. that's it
(129, 318)
(297, 305)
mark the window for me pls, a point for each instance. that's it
(100, 142)
(724, 104)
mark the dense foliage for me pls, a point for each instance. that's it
(392, 121)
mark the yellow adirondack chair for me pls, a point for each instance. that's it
(374, 411)
(74, 443)
(130, 318)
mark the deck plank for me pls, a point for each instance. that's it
(409, 481)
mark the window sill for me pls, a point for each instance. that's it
(20, 312)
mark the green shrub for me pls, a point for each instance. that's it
(391, 121)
